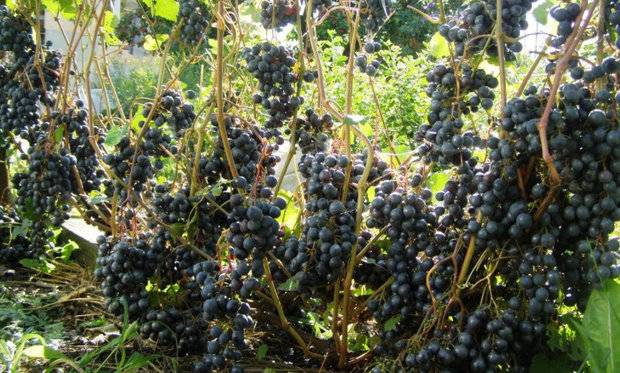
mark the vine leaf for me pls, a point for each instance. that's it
(261, 352)
(438, 46)
(391, 323)
(542, 10)
(437, 181)
(599, 330)
(64, 8)
(166, 9)
(115, 135)
(152, 43)
(291, 284)
(109, 24)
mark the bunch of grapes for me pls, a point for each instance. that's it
(13, 247)
(250, 152)
(566, 16)
(276, 14)
(133, 27)
(173, 111)
(254, 231)
(195, 20)
(16, 35)
(76, 126)
(181, 208)
(124, 267)
(273, 67)
(228, 318)
(442, 138)
(472, 30)
(312, 133)
(320, 254)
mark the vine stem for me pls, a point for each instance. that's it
(285, 323)
(346, 297)
(198, 151)
(293, 138)
(219, 77)
(530, 72)
(499, 39)
(560, 68)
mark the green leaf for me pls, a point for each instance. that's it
(67, 250)
(137, 118)
(354, 119)
(23, 228)
(437, 181)
(438, 46)
(151, 43)
(43, 352)
(58, 132)
(109, 23)
(137, 361)
(391, 323)
(177, 229)
(64, 8)
(600, 329)
(362, 291)
(97, 197)
(292, 284)
(38, 265)
(542, 10)
(261, 352)
(269, 370)
(289, 216)
(115, 135)
(166, 9)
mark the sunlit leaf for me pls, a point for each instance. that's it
(438, 46)
(292, 284)
(115, 135)
(151, 43)
(166, 9)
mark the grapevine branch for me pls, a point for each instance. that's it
(219, 77)
(567, 53)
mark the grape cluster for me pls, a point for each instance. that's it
(172, 114)
(443, 139)
(273, 67)
(566, 16)
(195, 20)
(124, 267)
(253, 230)
(76, 127)
(320, 254)
(312, 134)
(16, 35)
(181, 208)
(361, 61)
(253, 156)
(228, 318)
(276, 14)
(470, 29)
(47, 186)
(133, 27)
(13, 247)
(173, 111)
